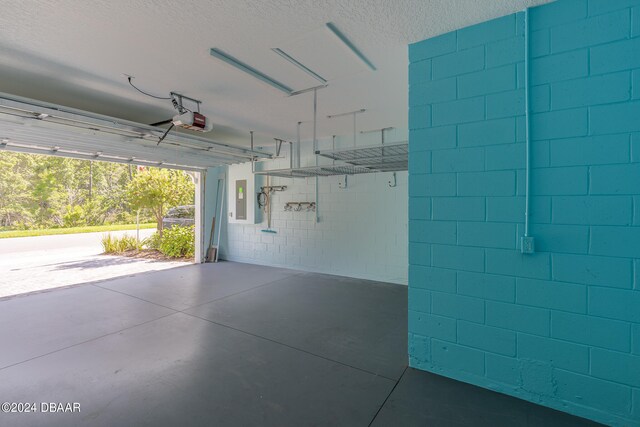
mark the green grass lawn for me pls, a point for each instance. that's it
(73, 230)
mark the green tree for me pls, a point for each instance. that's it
(15, 185)
(158, 190)
(38, 191)
(48, 193)
(109, 196)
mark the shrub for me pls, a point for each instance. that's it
(178, 242)
(153, 241)
(109, 244)
(74, 216)
(118, 245)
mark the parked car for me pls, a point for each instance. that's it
(180, 215)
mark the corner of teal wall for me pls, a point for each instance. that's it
(210, 195)
(560, 327)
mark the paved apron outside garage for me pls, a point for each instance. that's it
(29, 264)
(232, 344)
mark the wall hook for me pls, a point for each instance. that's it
(299, 206)
(395, 182)
(346, 183)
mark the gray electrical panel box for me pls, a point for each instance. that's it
(241, 194)
(241, 199)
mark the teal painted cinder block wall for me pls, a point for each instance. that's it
(560, 327)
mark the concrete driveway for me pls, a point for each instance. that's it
(29, 264)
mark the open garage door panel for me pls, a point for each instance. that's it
(41, 128)
(36, 127)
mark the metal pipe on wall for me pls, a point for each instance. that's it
(253, 162)
(298, 149)
(354, 128)
(527, 242)
(291, 155)
(526, 114)
(315, 122)
(315, 146)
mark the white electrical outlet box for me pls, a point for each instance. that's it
(527, 245)
(241, 190)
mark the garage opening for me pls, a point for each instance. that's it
(87, 197)
(66, 221)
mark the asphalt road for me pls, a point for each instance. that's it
(29, 264)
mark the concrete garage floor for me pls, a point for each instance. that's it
(232, 345)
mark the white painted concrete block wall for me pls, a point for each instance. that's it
(362, 230)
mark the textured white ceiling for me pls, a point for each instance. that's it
(74, 52)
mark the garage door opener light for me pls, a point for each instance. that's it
(186, 118)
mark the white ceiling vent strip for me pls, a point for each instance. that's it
(322, 52)
(33, 126)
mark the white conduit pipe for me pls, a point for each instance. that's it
(527, 245)
(253, 160)
(354, 128)
(315, 145)
(297, 162)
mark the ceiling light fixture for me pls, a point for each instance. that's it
(298, 64)
(217, 53)
(331, 26)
